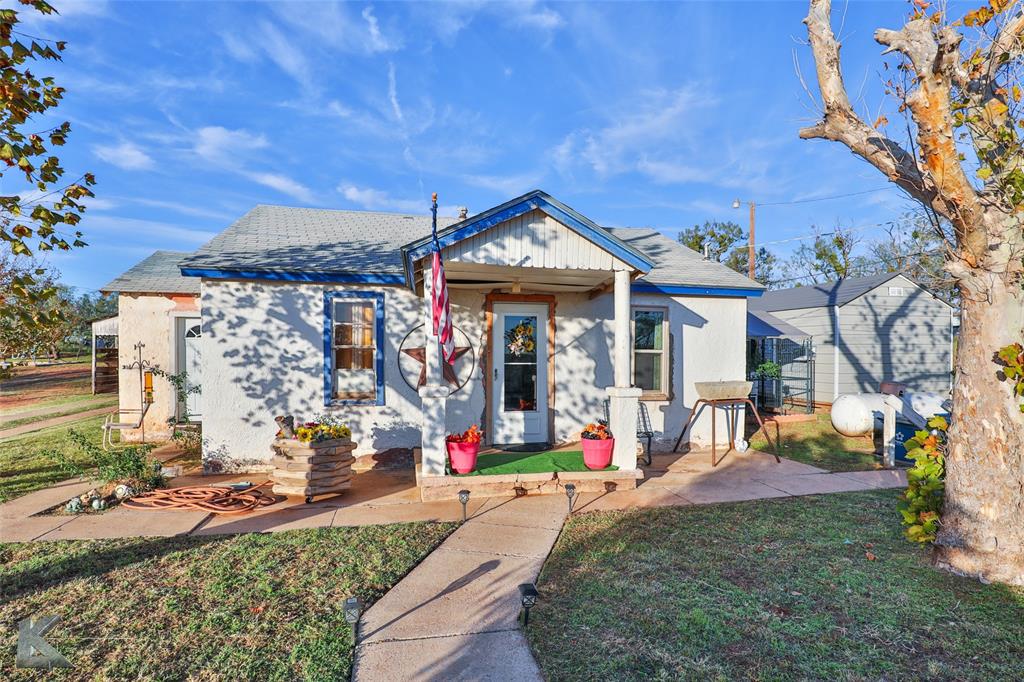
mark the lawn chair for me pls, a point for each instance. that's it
(644, 431)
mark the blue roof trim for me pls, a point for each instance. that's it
(280, 276)
(683, 290)
(329, 298)
(517, 207)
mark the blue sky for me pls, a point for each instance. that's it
(634, 114)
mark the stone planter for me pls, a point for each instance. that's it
(311, 469)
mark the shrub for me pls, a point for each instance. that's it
(921, 504)
(130, 464)
(768, 370)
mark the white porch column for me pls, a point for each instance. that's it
(433, 394)
(623, 399)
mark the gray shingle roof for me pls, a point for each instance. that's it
(821, 295)
(286, 239)
(680, 265)
(158, 274)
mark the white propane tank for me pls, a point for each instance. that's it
(853, 414)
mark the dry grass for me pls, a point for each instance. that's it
(818, 444)
(812, 588)
(246, 607)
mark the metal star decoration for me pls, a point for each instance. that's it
(420, 355)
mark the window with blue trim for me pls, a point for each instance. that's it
(355, 348)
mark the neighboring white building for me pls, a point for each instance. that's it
(158, 324)
(310, 311)
(867, 330)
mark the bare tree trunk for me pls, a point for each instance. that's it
(982, 530)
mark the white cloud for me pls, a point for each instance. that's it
(379, 200)
(219, 144)
(283, 184)
(543, 18)
(66, 9)
(635, 135)
(124, 155)
(671, 172)
(184, 209)
(448, 19)
(396, 108)
(377, 41)
(239, 48)
(288, 56)
(507, 185)
(149, 228)
(100, 204)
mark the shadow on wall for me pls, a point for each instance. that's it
(897, 346)
(266, 355)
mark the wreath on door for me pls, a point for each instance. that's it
(521, 339)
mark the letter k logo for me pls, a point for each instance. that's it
(33, 651)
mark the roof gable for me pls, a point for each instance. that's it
(531, 201)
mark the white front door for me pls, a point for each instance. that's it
(519, 393)
(192, 366)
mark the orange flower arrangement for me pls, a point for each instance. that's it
(596, 432)
(471, 435)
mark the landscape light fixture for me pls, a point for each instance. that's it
(353, 608)
(464, 499)
(528, 597)
(570, 492)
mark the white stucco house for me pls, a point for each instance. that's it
(310, 311)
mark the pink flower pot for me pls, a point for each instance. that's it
(597, 454)
(463, 456)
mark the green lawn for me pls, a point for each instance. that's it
(530, 463)
(818, 444)
(245, 607)
(821, 588)
(24, 468)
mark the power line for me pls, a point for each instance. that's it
(854, 228)
(829, 198)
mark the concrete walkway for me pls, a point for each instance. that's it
(55, 421)
(379, 497)
(454, 617)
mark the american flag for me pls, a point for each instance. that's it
(439, 297)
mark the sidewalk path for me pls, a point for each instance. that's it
(454, 617)
(55, 421)
(103, 401)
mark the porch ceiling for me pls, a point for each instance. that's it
(479, 276)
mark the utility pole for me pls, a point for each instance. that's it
(750, 264)
(750, 243)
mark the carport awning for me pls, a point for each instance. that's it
(764, 325)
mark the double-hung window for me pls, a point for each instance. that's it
(354, 366)
(650, 352)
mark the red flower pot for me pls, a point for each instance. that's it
(463, 456)
(597, 454)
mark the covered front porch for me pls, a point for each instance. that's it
(556, 322)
